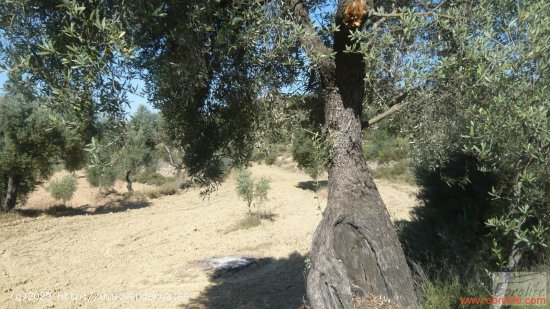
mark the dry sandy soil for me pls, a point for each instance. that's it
(152, 254)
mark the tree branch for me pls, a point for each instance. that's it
(400, 15)
(397, 106)
(394, 109)
(178, 166)
(312, 43)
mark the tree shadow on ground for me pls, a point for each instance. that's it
(63, 211)
(267, 283)
(310, 185)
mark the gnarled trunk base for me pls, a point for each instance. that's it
(356, 253)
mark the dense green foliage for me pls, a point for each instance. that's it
(153, 178)
(306, 118)
(121, 150)
(491, 85)
(81, 64)
(73, 52)
(310, 151)
(140, 144)
(101, 171)
(223, 75)
(449, 226)
(384, 145)
(29, 144)
(271, 158)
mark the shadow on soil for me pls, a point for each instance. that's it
(63, 211)
(310, 185)
(448, 227)
(267, 283)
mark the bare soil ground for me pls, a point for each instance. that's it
(152, 254)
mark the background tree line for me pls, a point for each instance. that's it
(34, 145)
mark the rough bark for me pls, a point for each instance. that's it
(129, 182)
(11, 194)
(355, 249)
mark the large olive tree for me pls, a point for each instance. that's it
(29, 147)
(491, 92)
(206, 64)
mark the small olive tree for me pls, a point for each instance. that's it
(63, 189)
(253, 192)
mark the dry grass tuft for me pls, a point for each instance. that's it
(252, 220)
(166, 189)
(246, 223)
(6, 217)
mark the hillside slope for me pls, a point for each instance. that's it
(153, 254)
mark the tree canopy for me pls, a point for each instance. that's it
(29, 145)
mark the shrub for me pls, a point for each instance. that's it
(63, 189)
(102, 177)
(271, 158)
(258, 155)
(153, 178)
(310, 152)
(280, 148)
(166, 189)
(383, 146)
(260, 192)
(248, 222)
(251, 191)
(447, 228)
(399, 171)
(188, 184)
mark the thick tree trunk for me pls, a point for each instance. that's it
(356, 251)
(11, 194)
